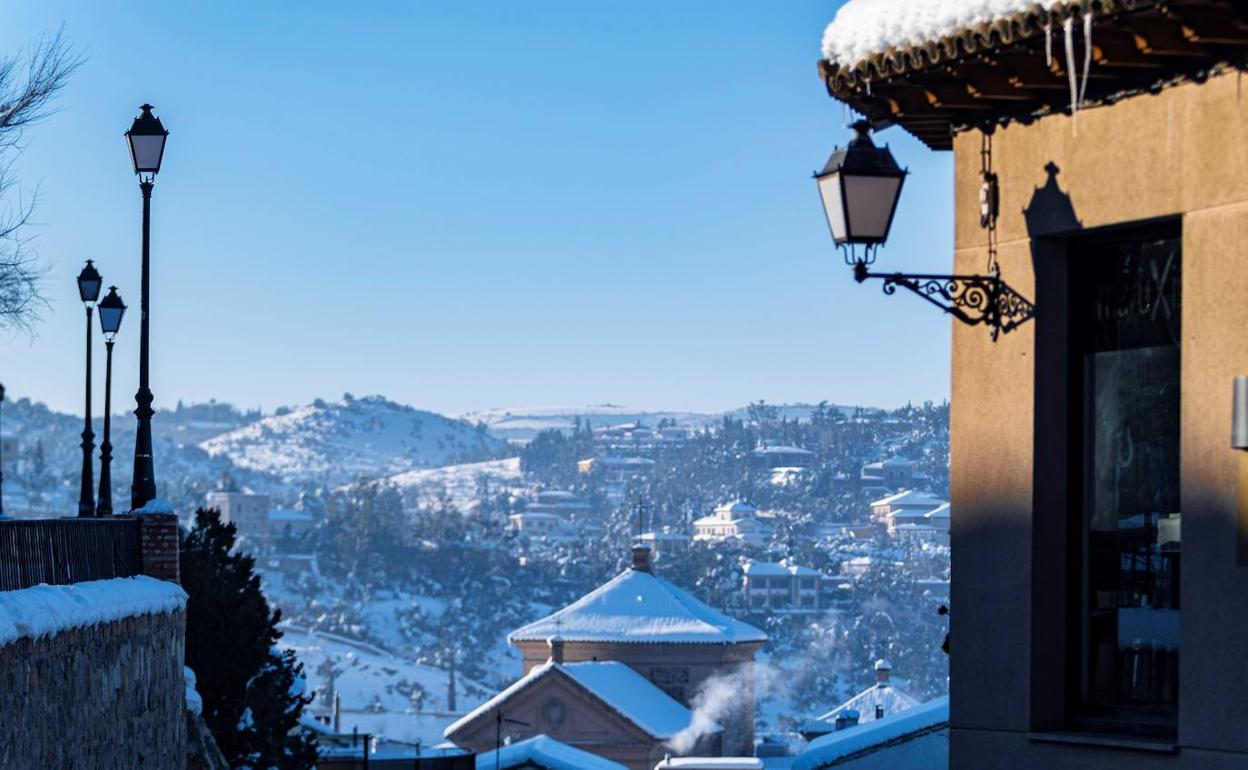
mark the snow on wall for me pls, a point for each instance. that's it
(46, 610)
(865, 27)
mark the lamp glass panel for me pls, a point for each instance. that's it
(110, 319)
(869, 205)
(833, 205)
(88, 290)
(146, 151)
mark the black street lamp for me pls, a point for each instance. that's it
(89, 291)
(111, 311)
(860, 186)
(146, 138)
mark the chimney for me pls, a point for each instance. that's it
(641, 557)
(879, 711)
(556, 649)
(846, 718)
(882, 670)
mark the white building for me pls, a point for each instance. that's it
(617, 470)
(781, 587)
(888, 475)
(539, 524)
(731, 521)
(248, 512)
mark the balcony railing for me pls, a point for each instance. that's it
(61, 551)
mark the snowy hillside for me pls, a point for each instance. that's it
(461, 484)
(335, 442)
(519, 425)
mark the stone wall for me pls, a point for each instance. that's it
(108, 697)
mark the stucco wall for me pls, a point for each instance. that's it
(107, 697)
(1182, 152)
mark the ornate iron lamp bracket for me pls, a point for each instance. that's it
(972, 299)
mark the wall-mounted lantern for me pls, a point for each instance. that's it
(860, 186)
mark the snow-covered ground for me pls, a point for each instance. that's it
(462, 482)
(335, 442)
(377, 688)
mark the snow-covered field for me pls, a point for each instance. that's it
(381, 693)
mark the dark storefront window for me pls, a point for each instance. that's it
(1127, 322)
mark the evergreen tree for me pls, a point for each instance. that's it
(252, 693)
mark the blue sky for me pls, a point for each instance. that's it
(470, 205)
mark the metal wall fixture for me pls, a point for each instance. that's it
(860, 186)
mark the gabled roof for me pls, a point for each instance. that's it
(910, 499)
(545, 752)
(881, 694)
(615, 684)
(638, 607)
(881, 734)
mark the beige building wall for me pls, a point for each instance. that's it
(1183, 152)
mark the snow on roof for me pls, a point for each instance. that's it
(771, 568)
(710, 763)
(155, 505)
(782, 450)
(45, 610)
(641, 608)
(616, 684)
(863, 28)
(910, 499)
(545, 752)
(881, 694)
(892, 729)
(939, 512)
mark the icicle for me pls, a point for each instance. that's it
(1068, 25)
(1087, 52)
(1048, 42)
(868, 86)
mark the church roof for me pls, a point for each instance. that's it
(615, 684)
(545, 752)
(639, 607)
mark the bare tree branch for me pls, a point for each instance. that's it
(26, 96)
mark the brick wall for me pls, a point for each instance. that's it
(159, 541)
(107, 697)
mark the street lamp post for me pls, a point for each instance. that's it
(111, 311)
(89, 291)
(146, 138)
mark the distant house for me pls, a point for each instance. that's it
(783, 457)
(665, 634)
(929, 526)
(538, 524)
(913, 739)
(665, 541)
(889, 475)
(731, 521)
(617, 470)
(875, 702)
(250, 513)
(908, 502)
(782, 587)
(604, 707)
(561, 502)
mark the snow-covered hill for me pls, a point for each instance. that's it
(519, 425)
(335, 442)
